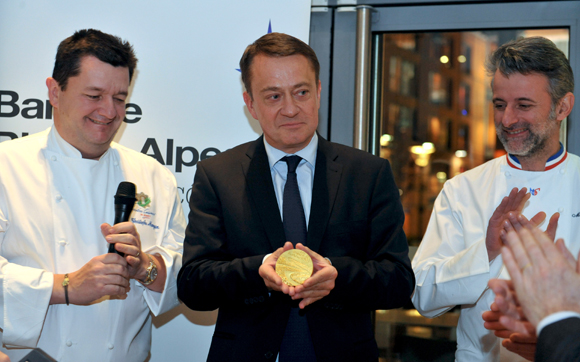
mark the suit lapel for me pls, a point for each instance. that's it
(259, 180)
(326, 180)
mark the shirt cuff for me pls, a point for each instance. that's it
(267, 255)
(555, 317)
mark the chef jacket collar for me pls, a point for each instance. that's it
(552, 162)
(61, 146)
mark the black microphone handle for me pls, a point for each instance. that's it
(122, 214)
(37, 355)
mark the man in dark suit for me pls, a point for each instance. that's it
(559, 341)
(238, 227)
(546, 279)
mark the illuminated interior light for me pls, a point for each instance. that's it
(461, 153)
(412, 313)
(417, 150)
(428, 147)
(461, 59)
(422, 161)
(441, 176)
(385, 139)
(444, 59)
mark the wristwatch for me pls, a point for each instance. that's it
(151, 272)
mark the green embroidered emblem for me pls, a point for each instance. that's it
(143, 200)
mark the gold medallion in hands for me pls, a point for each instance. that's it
(294, 267)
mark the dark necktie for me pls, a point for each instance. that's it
(297, 344)
(292, 209)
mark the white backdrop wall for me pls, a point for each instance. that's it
(186, 98)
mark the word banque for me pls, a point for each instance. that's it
(33, 108)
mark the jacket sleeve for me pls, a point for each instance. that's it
(24, 297)
(451, 264)
(380, 276)
(170, 248)
(558, 342)
(211, 277)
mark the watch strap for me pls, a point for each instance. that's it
(65, 284)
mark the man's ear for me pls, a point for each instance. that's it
(53, 91)
(318, 90)
(565, 106)
(250, 104)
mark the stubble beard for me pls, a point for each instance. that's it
(536, 141)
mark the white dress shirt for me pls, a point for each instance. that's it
(304, 173)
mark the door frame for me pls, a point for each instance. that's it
(335, 36)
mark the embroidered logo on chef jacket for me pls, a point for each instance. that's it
(576, 215)
(143, 199)
(534, 192)
(142, 213)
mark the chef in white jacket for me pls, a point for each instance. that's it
(532, 93)
(59, 288)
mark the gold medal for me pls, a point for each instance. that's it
(294, 267)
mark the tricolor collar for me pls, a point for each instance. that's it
(553, 161)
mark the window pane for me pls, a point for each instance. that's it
(435, 117)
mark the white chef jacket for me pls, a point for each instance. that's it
(52, 202)
(451, 264)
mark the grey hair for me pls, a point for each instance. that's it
(534, 55)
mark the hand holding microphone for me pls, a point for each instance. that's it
(124, 202)
(123, 237)
(100, 276)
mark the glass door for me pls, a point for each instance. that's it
(433, 109)
(430, 110)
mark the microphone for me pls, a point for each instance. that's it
(37, 355)
(124, 202)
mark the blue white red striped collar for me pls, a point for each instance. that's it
(553, 161)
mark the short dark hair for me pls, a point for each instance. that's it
(276, 45)
(90, 42)
(534, 55)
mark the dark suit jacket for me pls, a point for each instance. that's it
(356, 221)
(559, 342)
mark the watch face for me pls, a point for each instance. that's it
(153, 274)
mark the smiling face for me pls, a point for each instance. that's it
(90, 111)
(285, 100)
(524, 120)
